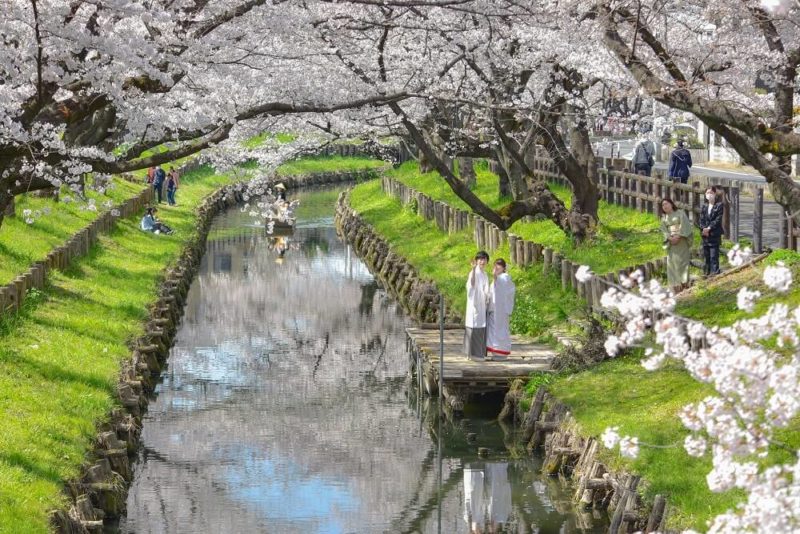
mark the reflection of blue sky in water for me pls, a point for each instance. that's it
(283, 491)
(212, 374)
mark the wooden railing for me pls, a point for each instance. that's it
(522, 252)
(643, 193)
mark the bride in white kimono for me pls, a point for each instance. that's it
(477, 300)
(501, 304)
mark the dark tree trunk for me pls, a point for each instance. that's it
(466, 170)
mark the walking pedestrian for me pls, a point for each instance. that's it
(158, 182)
(477, 300)
(172, 185)
(680, 161)
(501, 304)
(677, 230)
(643, 159)
(711, 230)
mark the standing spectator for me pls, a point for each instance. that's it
(151, 174)
(677, 230)
(643, 160)
(158, 182)
(680, 161)
(477, 299)
(172, 185)
(711, 229)
(501, 304)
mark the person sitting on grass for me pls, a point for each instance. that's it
(151, 224)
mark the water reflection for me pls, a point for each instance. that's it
(285, 406)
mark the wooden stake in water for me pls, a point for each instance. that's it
(441, 345)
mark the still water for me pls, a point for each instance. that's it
(286, 408)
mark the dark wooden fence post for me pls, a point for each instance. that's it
(758, 220)
(734, 236)
(782, 233)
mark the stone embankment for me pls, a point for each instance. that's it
(99, 494)
(418, 296)
(548, 426)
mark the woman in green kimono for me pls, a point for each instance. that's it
(677, 230)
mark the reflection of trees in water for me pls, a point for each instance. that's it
(284, 380)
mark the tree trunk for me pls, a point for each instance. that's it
(466, 170)
(585, 193)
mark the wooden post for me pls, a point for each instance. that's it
(782, 233)
(526, 251)
(521, 252)
(536, 252)
(512, 248)
(726, 212)
(548, 259)
(566, 274)
(758, 221)
(734, 236)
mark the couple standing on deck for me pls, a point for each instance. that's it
(489, 309)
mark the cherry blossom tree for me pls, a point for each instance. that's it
(754, 371)
(705, 58)
(92, 86)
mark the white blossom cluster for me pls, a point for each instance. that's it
(757, 391)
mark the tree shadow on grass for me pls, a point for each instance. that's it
(25, 366)
(15, 459)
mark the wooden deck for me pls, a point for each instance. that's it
(464, 376)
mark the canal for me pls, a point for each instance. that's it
(287, 407)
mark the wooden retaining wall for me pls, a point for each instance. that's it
(418, 296)
(547, 426)
(12, 295)
(522, 252)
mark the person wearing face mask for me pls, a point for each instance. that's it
(710, 223)
(477, 300)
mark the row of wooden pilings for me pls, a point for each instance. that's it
(13, 294)
(100, 493)
(417, 295)
(548, 426)
(522, 252)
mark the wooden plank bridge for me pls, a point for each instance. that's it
(465, 376)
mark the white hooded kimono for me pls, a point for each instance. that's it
(501, 304)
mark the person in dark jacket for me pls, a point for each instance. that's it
(158, 182)
(643, 160)
(710, 223)
(679, 163)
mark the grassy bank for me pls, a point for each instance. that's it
(60, 357)
(21, 243)
(622, 393)
(624, 237)
(329, 164)
(541, 304)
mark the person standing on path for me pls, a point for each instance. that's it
(151, 175)
(711, 229)
(501, 304)
(172, 185)
(680, 161)
(477, 300)
(643, 160)
(158, 182)
(677, 230)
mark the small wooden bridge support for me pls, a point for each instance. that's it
(465, 376)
